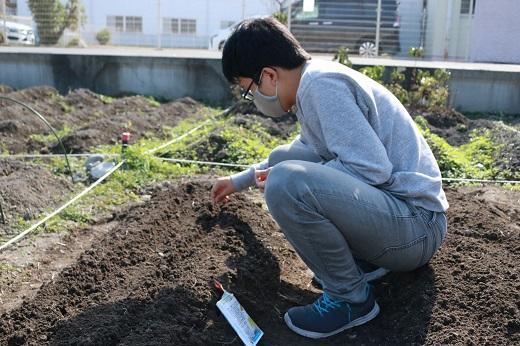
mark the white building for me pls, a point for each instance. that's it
(483, 30)
(179, 23)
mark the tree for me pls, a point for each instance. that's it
(52, 18)
(280, 15)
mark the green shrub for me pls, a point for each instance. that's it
(374, 72)
(103, 37)
(417, 52)
(432, 90)
(281, 17)
(73, 42)
(341, 56)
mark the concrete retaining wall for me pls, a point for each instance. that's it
(475, 90)
(167, 78)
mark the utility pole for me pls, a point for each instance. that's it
(471, 18)
(378, 26)
(243, 9)
(159, 21)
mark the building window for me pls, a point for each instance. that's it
(116, 23)
(171, 25)
(133, 24)
(465, 6)
(179, 26)
(11, 7)
(125, 24)
(188, 26)
(226, 23)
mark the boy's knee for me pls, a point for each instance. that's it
(278, 154)
(282, 182)
(276, 184)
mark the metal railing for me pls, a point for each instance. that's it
(446, 30)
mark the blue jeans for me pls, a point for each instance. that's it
(330, 217)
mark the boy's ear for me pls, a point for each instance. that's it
(272, 75)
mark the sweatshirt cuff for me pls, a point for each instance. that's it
(244, 179)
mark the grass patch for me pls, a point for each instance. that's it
(228, 142)
(105, 99)
(153, 102)
(8, 268)
(474, 159)
(49, 138)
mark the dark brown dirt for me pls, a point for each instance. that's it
(149, 280)
(27, 189)
(93, 122)
(246, 114)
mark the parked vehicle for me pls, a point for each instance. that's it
(18, 33)
(347, 23)
(217, 40)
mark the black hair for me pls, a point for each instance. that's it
(259, 43)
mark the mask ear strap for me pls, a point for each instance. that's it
(259, 79)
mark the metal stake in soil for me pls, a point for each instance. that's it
(2, 216)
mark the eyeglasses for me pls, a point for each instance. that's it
(248, 95)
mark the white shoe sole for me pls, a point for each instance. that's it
(316, 335)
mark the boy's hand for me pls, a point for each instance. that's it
(221, 190)
(261, 178)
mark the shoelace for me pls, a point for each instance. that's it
(324, 304)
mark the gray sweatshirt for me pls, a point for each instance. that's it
(359, 127)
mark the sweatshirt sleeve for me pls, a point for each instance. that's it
(348, 135)
(246, 178)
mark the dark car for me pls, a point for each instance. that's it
(347, 23)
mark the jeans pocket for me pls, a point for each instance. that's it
(428, 216)
(402, 258)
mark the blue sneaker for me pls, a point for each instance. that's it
(327, 316)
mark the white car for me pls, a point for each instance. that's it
(216, 41)
(18, 33)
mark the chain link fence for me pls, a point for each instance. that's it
(428, 29)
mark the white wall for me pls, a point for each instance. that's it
(208, 13)
(23, 8)
(410, 12)
(496, 32)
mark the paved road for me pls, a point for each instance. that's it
(208, 54)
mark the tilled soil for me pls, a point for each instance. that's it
(27, 189)
(149, 280)
(92, 121)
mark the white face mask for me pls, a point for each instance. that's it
(269, 105)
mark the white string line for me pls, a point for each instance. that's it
(483, 180)
(204, 123)
(57, 211)
(212, 163)
(53, 155)
(209, 163)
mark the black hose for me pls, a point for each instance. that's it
(42, 118)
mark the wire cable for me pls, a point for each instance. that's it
(42, 118)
